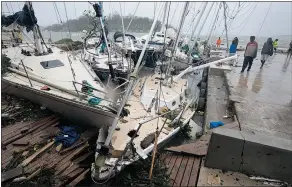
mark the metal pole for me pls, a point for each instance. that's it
(131, 83)
(26, 72)
(213, 26)
(198, 21)
(163, 26)
(196, 25)
(76, 89)
(123, 27)
(177, 38)
(201, 28)
(227, 42)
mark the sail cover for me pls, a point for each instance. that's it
(25, 18)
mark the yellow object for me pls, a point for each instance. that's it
(275, 44)
(19, 35)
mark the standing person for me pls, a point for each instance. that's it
(289, 50)
(232, 49)
(275, 45)
(236, 41)
(267, 51)
(218, 42)
(250, 53)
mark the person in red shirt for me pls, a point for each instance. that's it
(250, 53)
(218, 42)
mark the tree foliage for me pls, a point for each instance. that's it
(114, 23)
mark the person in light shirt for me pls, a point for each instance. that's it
(250, 54)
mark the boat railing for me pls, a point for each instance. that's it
(91, 94)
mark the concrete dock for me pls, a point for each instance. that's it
(263, 97)
(259, 140)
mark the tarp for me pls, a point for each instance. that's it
(25, 18)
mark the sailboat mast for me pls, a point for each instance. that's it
(225, 21)
(177, 38)
(163, 26)
(202, 26)
(99, 13)
(196, 25)
(131, 82)
(36, 36)
(213, 26)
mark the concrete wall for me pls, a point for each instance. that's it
(252, 153)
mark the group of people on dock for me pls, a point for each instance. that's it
(250, 53)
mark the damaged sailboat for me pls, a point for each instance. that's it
(54, 78)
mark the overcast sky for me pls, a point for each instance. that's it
(247, 22)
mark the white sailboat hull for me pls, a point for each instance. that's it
(72, 110)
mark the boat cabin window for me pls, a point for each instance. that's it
(51, 64)
(160, 35)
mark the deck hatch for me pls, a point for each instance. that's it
(51, 64)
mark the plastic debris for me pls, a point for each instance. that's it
(215, 124)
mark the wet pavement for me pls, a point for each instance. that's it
(264, 96)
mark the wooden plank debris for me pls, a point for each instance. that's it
(11, 174)
(79, 178)
(32, 157)
(19, 138)
(198, 148)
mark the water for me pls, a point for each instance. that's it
(243, 40)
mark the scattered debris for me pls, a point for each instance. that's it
(213, 180)
(29, 156)
(20, 110)
(11, 174)
(198, 148)
(137, 174)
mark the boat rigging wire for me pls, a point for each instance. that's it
(264, 19)
(191, 27)
(11, 8)
(214, 23)
(8, 9)
(58, 11)
(174, 12)
(19, 6)
(132, 17)
(75, 10)
(67, 20)
(245, 20)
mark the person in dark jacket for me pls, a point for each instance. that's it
(289, 52)
(235, 41)
(250, 53)
(267, 51)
